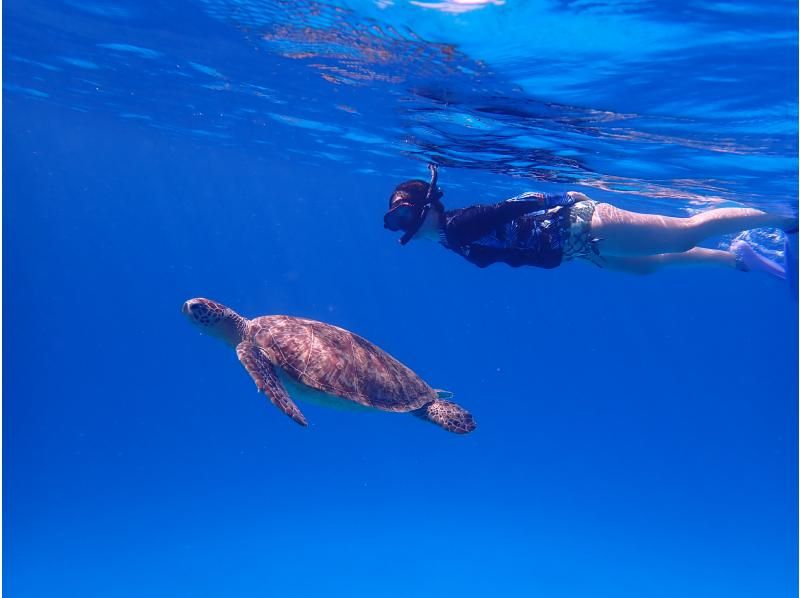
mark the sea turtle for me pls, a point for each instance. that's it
(323, 363)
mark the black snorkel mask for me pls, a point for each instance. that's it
(407, 214)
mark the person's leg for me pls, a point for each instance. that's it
(631, 233)
(647, 264)
(741, 256)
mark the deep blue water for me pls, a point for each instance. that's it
(637, 436)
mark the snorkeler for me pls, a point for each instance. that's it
(544, 230)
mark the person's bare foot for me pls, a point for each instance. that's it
(748, 260)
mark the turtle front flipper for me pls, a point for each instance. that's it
(447, 414)
(263, 374)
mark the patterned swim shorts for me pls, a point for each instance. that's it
(577, 238)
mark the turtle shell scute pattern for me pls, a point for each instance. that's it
(338, 362)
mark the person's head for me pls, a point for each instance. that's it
(411, 204)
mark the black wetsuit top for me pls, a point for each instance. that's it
(521, 231)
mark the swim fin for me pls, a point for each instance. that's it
(790, 251)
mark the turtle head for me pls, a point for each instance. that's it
(216, 319)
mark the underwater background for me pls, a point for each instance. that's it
(637, 436)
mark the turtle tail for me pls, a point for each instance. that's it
(447, 414)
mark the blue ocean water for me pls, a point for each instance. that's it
(637, 436)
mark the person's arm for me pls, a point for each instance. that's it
(474, 222)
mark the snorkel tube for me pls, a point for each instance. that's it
(431, 199)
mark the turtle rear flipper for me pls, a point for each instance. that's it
(447, 414)
(263, 374)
